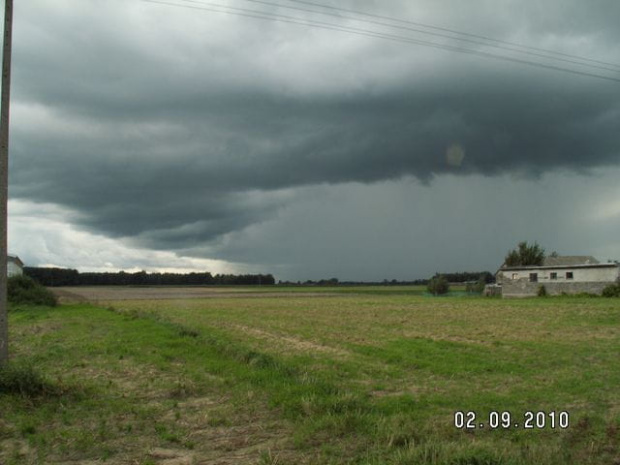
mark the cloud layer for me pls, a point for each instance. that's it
(175, 128)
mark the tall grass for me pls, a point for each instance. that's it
(24, 380)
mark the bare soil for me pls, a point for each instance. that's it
(96, 294)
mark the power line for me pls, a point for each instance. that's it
(235, 11)
(453, 31)
(478, 40)
(265, 15)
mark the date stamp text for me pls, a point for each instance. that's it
(470, 420)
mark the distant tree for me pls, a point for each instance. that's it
(477, 287)
(468, 276)
(66, 277)
(53, 276)
(438, 285)
(525, 255)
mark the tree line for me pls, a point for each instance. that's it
(455, 278)
(469, 276)
(70, 277)
(440, 283)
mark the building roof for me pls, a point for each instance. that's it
(14, 259)
(565, 261)
(570, 260)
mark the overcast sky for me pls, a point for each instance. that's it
(161, 137)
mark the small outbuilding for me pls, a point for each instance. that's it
(559, 275)
(15, 267)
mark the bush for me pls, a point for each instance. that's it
(542, 291)
(23, 380)
(24, 290)
(438, 285)
(613, 290)
(477, 287)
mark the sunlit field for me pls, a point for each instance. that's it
(360, 375)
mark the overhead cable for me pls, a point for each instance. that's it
(256, 14)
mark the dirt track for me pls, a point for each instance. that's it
(77, 294)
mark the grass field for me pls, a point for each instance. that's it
(328, 376)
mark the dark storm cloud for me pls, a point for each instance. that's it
(149, 137)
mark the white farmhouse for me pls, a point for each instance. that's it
(559, 275)
(15, 267)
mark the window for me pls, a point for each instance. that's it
(569, 275)
(554, 276)
(515, 275)
(533, 277)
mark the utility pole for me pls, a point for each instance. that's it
(4, 178)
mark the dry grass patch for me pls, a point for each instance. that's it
(283, 343)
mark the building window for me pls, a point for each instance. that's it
(515, 275)
(533, 277)
(554, 276)
(569, 275)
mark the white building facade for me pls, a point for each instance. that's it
(15, 267)
(559, 275)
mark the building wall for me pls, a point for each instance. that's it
(13, 269)
(492, 290)
(594, 274)
(592, 280)
(525, 288)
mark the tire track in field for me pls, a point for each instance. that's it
(290, 342)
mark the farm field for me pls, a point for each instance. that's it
(94, 294)
(284, 375)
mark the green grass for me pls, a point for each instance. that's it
(361, 377)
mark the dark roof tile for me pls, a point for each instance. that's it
(570, 260)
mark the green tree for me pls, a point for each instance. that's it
(22, 290)
(478, 286)
(438, 285)
(525, 255)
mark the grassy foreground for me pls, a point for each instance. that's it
(360, 378)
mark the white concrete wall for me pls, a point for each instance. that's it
(13, 269)
(580, 275)
(524, 288)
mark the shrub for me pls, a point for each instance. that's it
(438, 285)
(542, 291)
(477, 287)
(22, 380)
(613, 290)
(25, 290)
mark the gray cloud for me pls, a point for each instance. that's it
(404, 230)
(176, 133)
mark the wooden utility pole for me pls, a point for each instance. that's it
(4, 177)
